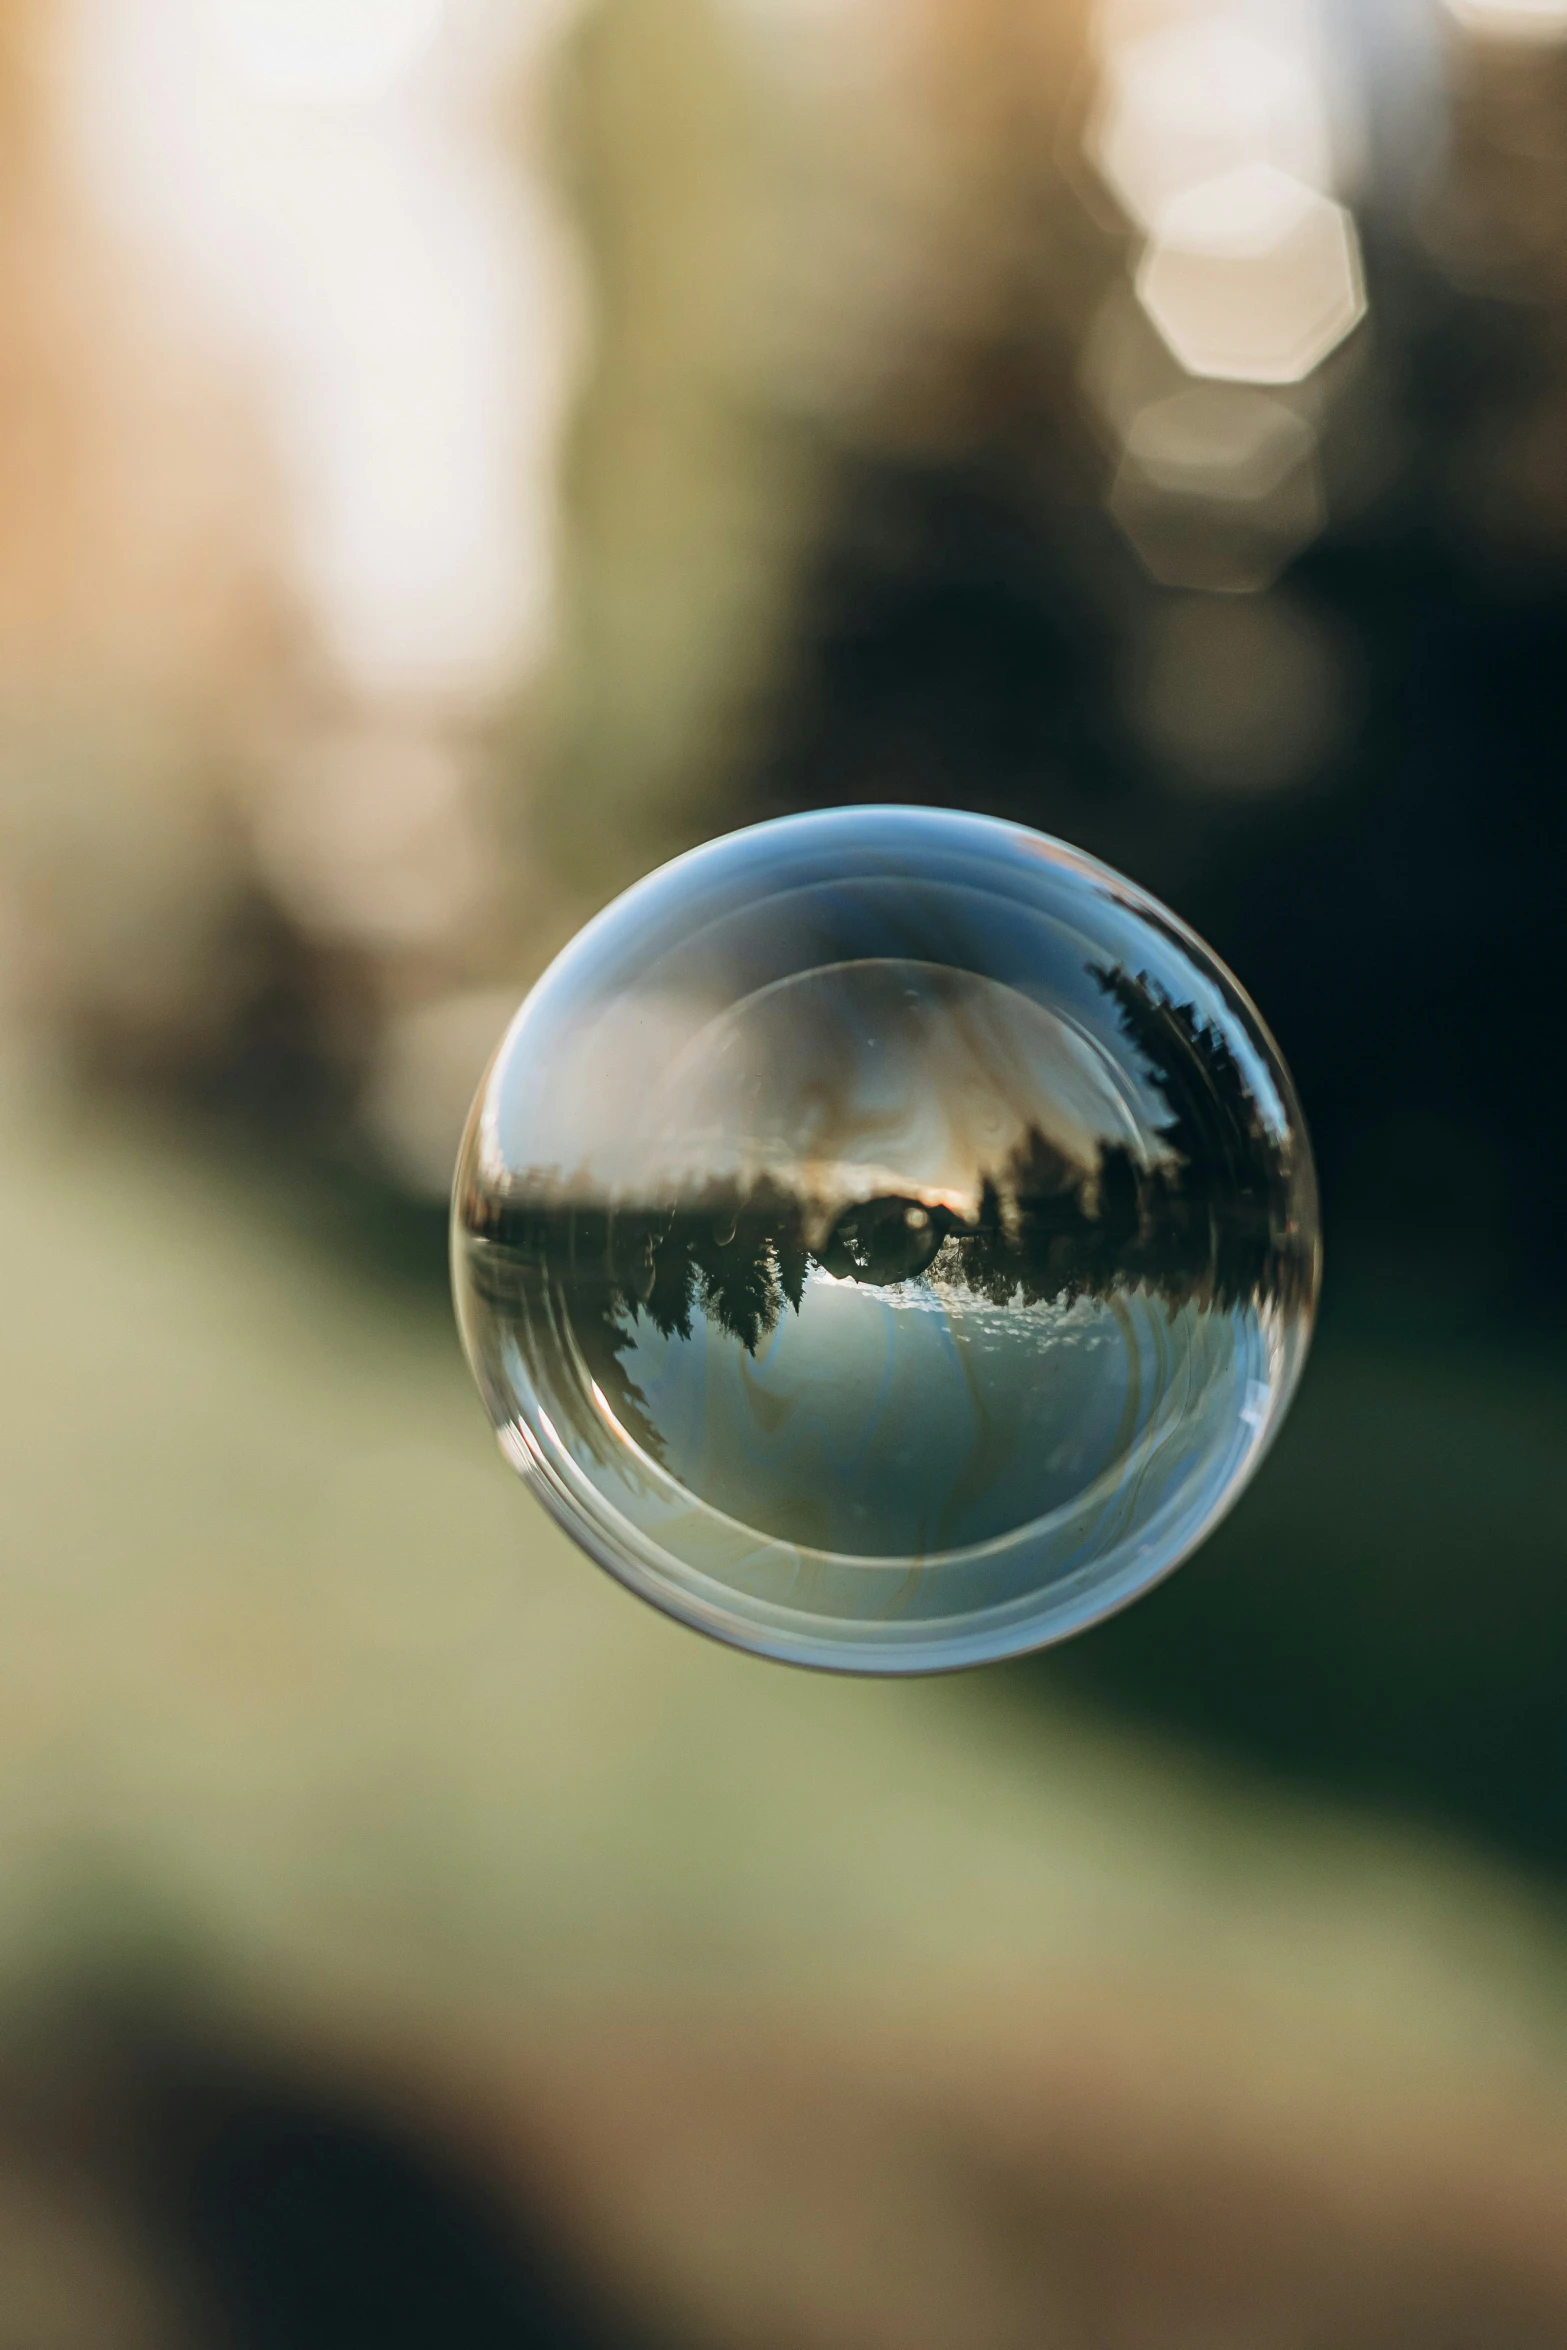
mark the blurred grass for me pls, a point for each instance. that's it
(1386, 1611)
(786, 2010)
(288, 1658)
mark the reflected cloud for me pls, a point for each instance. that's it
(832, 1088)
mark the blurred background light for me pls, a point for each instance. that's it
(422, 1083)
(1205, 97)
(327, 49)
(1241, 695)
(1495, 221)
(1220, 441)
(1125, 364)
(1512, 20)
(365, 834)
(398, 289)
(449, 460)
(1254, 277)
(1222, 130)
(1218, 487)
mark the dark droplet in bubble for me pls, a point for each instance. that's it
(883, 1241)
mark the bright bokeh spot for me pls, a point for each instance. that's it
(1253, 277)
(1218, 128)
(1218, 487)
(1199, 100)
(327, 49)
(395, 280)
(1217, 442)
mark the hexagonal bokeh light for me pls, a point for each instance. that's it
(1218, 487)
(1198, 100)
(1253, 277)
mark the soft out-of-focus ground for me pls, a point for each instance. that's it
(344, 1811)
(451, 456)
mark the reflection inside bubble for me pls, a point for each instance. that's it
(899, 1309)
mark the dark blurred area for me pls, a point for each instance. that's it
(454, 456)
(973, 638)
(1339, 769)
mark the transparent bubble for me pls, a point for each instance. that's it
(886, 1240)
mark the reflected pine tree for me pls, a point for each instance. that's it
(1203, 1217)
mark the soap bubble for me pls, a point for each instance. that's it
(886, 1240)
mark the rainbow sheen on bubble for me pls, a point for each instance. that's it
(886, 1240)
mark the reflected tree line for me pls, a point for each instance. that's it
(1206, 1222)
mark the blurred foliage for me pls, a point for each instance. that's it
(405, 1933)
(402, 1898)
(685, 476)
(1352, 796)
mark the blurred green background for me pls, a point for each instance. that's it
(452, 457)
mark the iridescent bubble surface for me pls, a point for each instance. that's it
(886, 1239)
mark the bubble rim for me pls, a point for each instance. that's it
(860, 1648)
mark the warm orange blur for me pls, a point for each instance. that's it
(451, 457)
